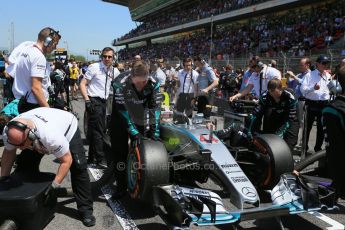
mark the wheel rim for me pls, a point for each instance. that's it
(134, 173)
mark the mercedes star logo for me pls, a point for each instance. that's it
(249, 192)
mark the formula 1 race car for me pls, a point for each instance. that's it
(166, 173)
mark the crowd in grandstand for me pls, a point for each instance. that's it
(295, 32)
(184, 14)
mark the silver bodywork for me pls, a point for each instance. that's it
(224, 166)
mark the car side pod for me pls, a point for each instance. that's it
(185, 206)
(25, 204)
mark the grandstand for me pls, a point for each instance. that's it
(232, 30)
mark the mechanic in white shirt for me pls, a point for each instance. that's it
(32, 72)
(314, 89)
(263, 72)
(15, 55)
(187, 78)
(95, 88)
(50, 131)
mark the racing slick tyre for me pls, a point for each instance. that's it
(147, 166)
(279, 155)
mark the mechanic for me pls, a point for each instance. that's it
(187, 78)
(278, 109)
(52, 131)
(315, 90)
(95, 88)
(32, 72)
(258, 80)
(207, 81)
(333, 117)
(136, 107)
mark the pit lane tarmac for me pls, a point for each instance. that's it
(128, 214)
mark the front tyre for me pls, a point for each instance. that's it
(147, 166)
(279, 158)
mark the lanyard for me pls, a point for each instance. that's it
(106, 81)
(184, 81)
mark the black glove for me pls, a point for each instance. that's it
(136, 140)
(50, 194)
(89, 106)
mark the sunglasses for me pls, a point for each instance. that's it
(107, 56)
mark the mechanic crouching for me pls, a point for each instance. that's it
(277, 108)
(135, 113)
(50, 131)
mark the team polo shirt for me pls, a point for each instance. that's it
(255, 81)
(268, 73)
(55, 128)
(99, 77)
(31, 63)
(307, 87)
(160, 75)
(187, 80)
(15, 54)
(206, 76)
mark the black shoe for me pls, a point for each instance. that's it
(89, 220)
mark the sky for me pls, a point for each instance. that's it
(83, 24)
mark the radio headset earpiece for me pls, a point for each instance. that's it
(31, 135)
(49, 39)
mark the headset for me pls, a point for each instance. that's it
(48, 40)
(19, 125)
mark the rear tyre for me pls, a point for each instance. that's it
(147, 166)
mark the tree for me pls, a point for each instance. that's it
(78, 58)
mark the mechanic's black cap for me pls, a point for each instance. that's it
(323, 59)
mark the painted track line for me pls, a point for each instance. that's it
(119, 210)
(335, 225)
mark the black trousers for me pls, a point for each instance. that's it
(184, 103)
(96, 130)
(119, 143)
(291, 135)
(28, 162)
(202, 102)
(314, 111)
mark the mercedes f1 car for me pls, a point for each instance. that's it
(167, 171)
